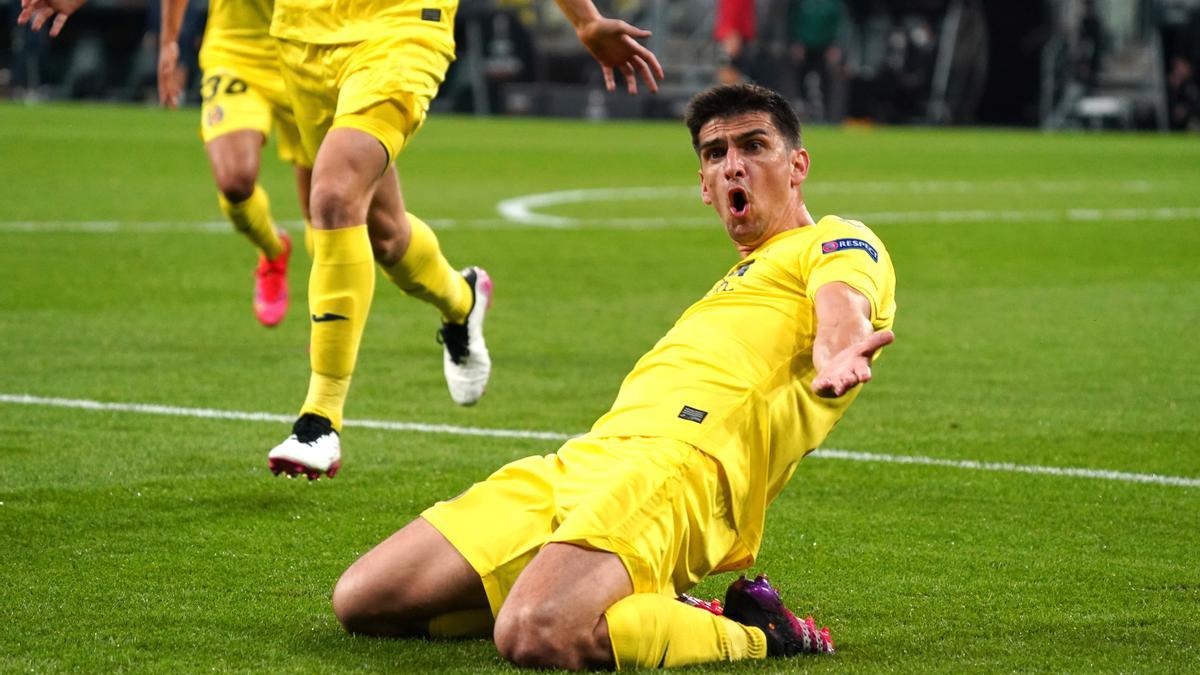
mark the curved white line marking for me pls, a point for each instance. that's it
(825, 453)
(521, 209)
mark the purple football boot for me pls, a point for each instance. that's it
(757, 603)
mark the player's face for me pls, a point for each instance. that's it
(751, 176)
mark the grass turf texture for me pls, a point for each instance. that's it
(138, 542)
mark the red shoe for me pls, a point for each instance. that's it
(712, 606)
(270, 285)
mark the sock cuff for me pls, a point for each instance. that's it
(756, 641)
(326, 397)
(423, 245)
(343, 246)
(226, 205)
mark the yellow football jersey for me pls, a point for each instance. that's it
(343, 21)
(238, 30)
(732, 376)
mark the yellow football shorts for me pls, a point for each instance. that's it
(237, 97)
(382, 86)
(660, 505)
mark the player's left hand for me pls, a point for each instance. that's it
(614, 44)
(851, 366)
(37, 12)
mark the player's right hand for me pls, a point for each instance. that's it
(851, 366)
(37, 12)
(169, 85)
(614, 44)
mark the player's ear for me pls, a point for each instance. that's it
(800, 164)
(704, 195)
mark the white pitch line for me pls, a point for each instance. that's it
(539, 221)
(106, 226)
(211, 413)
(824, 453)
(1006, 467)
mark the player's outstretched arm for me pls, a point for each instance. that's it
(37, 12)
(845, 340)
(169, 85)
(614, 44)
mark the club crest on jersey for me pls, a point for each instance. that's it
(215, 116)
(842, 244)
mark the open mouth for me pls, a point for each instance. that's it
(739, 201)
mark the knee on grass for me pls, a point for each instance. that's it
(365, 607)
(537, 637)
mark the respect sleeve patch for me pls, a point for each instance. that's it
(842, 244)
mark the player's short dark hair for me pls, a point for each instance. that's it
(738, 99)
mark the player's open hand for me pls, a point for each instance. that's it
(614, 44)
(851, 366)
(37, 12)
(170, 83)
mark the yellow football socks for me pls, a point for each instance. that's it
(252, 218)
(424, 273)
(648, 630)
(467, 623)
(340, 288)
(308, 238)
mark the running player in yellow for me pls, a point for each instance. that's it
(361, 76)
(576, 559)
(243, 99)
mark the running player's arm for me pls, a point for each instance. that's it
(169, 85)
(37, 12)
(845, 340)
(612, 43)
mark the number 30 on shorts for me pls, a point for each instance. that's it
(213, 85)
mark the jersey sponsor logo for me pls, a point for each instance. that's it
(329, 316)
(692, 414)
(431, 15)
(842, 244)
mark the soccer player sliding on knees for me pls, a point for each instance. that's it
(579, 558)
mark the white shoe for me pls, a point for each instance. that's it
(313, 449)
(465, 356)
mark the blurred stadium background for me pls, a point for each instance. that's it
(1049, 63)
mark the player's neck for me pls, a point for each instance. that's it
(792, 219)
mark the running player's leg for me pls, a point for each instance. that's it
(342, 281)
(414, 583)
(408, 252)
(235, 159)
(303, 188)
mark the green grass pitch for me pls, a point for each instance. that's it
(1049, 292)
